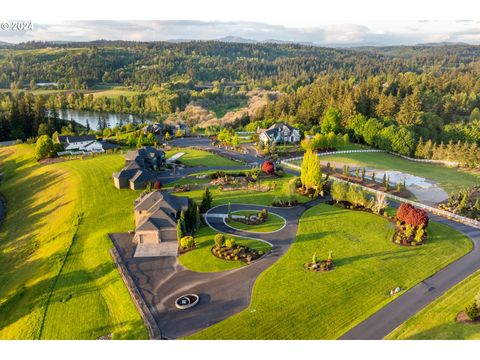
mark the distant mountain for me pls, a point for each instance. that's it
(236, 39)
(444, 43)
(4, 44)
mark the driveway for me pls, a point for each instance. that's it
(222, 294)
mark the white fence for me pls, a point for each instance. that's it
(428, 161)
(334, 153)
(430, 209)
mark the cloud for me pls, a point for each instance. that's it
(388, 33)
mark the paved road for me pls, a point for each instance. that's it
(222, 294)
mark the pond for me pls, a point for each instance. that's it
(93, 117)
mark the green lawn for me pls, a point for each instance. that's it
(273, 222)
(291, 303)
(195, 157)
(58, 280)
(450, 179)
(437, 320)
(243, 196)
(201, 258)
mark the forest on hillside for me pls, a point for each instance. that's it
(388, 97)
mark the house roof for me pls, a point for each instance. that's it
(158, 220)
(106, 145)
(280, 126)
(161, 200)
(70, 138)
(162, 206)
(125, 173)
(144, 175)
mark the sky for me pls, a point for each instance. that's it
(325, 32)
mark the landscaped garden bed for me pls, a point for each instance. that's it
(320, 265)
(227, 249)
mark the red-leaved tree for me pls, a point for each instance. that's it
(412, 216)
(403, 211)
(157, 185)
(268, 167)
(417, 217)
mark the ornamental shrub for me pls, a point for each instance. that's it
(473, 311)
(268, 167)
(230, 243)
(187, 242)
(219, 240)
(417, 217)
(403, 211)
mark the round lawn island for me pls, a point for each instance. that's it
(187, 301)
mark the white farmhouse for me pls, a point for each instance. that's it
(85, 143)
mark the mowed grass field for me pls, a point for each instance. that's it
(291, 303)
(450, 179)
(201, 258)
(193, 157)
(437, 320)
(62, 282)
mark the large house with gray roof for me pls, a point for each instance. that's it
(156, 215)
(141, 168)
(279, 133)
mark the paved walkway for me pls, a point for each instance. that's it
(222, 294)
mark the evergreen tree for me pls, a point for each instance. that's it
(207, 200)
(180, 233)
(198, 220)
(183, 223)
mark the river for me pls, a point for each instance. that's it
(113, 119)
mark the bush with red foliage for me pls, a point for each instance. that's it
(417, 217)
(157, 185)
(412, 216)
(268, 167)
(403, 211)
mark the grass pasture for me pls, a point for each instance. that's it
(291, 303)
(58, 280)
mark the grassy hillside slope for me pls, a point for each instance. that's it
(58, 280)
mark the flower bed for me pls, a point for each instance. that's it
(237, 253)
(320, 265)
(285, 203)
